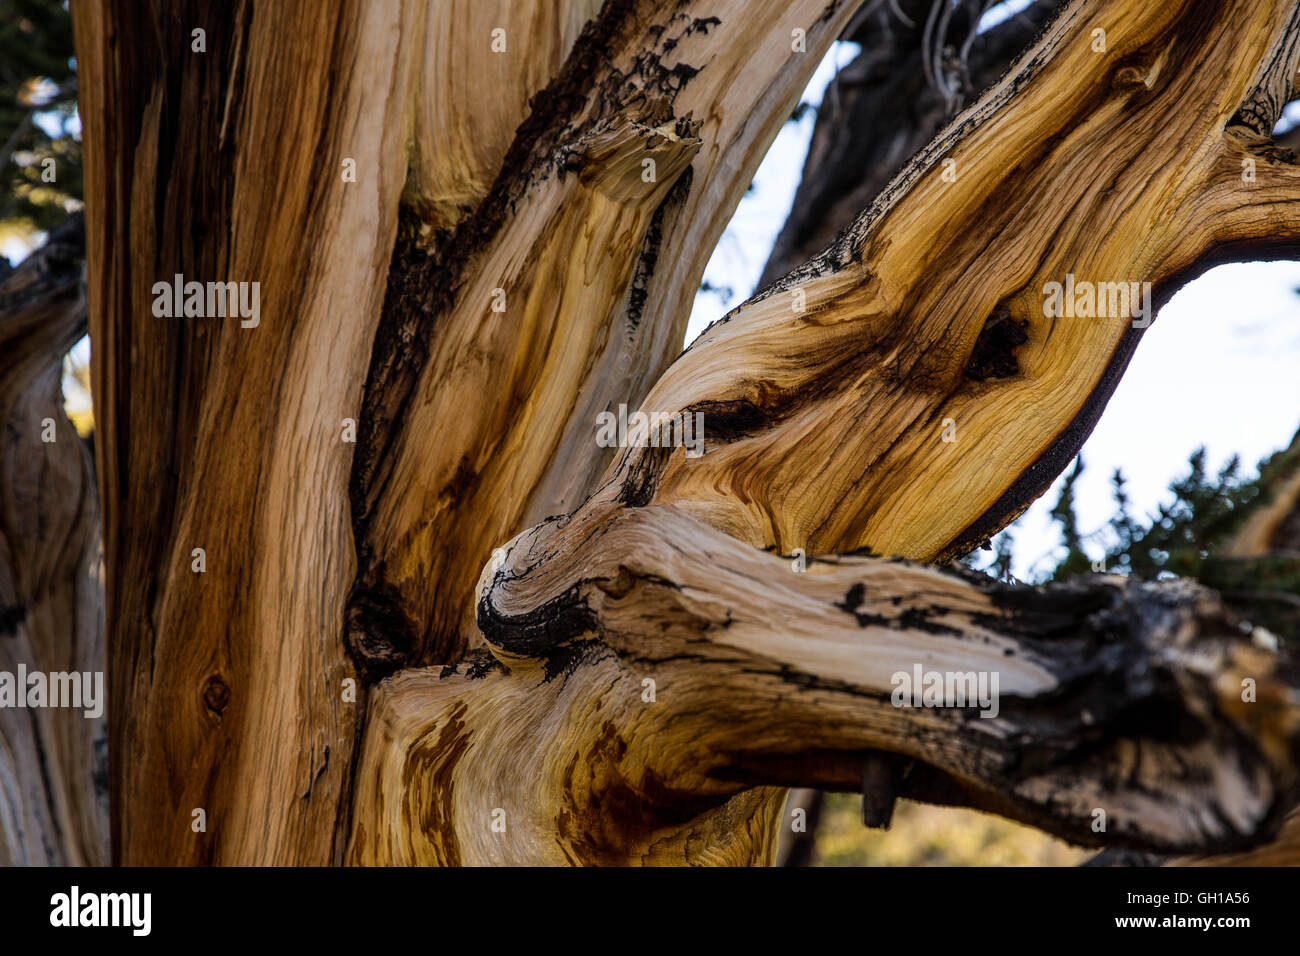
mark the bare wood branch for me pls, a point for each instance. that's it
(1115, 692)
(593, 260)
(377, 307)
(906, 336)
(1110, 695)
(877, 114)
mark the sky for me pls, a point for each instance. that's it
(1219, 367)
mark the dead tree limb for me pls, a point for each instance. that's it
(1114, 696)
(824, 429)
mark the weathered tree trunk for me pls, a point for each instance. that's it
(53, 761)
(225, 165)
(639, 679)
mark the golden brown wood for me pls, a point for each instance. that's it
(565, 295)
(824, 429)
(228, 165)
(826, 401)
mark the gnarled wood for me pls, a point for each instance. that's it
(823, 428)
(1072, 180)
(460, 134)
(479, 422)
(53, 760)
(823, 424)
(230, 439)
(877, 113)
(1109, 695)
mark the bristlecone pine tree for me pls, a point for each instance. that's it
(373, 591)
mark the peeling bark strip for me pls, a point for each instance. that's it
(593, 269)
(53, 763)
(1114, 695)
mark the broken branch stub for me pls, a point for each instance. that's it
(1106, 694)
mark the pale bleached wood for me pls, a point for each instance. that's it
(480, 422)
(825, 433)
(879, 112)
(764, 677)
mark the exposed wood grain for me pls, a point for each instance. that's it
(478, 422)
(53, 761)
(824, 433)
(461, 131)
(823, 430)
(1113, 695)
(227, 165)
(1060, 172)
(877, 113)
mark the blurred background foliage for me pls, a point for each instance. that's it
(924, 835)
(38, 123)
(38, 117)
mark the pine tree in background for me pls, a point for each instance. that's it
(1075, 561)
(1190, 537)
(38, 94)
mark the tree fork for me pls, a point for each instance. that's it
(894, 313)
(1118, 166)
